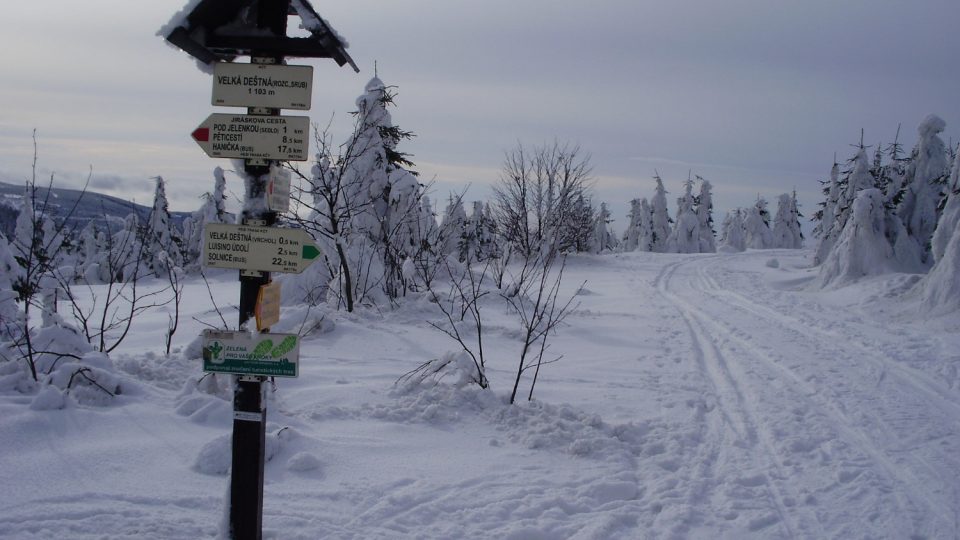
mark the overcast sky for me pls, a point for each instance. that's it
(755, 96)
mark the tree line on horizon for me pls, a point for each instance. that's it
(381, 240)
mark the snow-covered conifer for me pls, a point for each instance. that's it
(162, 236)
(10, 314)
(704, 209)
(949, 217)
(826, 215)
(213, 210)
(756, 226)
(871, 243)
(631, 236)
(685, 236)
(786, 224)
(661, 217)
(453, 228)
(733, 236)
(603, 239)
(645, 227)
(923, 180)
(941, 287)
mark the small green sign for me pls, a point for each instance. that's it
(242, 353)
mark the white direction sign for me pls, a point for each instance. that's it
(262, 85)
(248, 136)
(268, 249)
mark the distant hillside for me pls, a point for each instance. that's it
(91, 206)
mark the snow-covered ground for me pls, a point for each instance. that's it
(699, 396)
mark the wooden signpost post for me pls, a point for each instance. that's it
(215, 32)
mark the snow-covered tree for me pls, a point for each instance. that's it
(660, 217)
(453, 229)
(786, 224)
(756, 226)
(923, 181)
(213, 210)
(539, 199)
(11, 321)
(603, 239)
(855, 178)
(365, 204)
(941, 287)
(685, 236)
(872, 242)
(631, 236)
(482, 233)
(161, 235)
(826, 215)
(732, 236)
(704, 209)
(645, 233)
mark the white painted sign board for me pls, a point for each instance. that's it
(267, 249)
(278, 190)
(262, 85)
(247, 136)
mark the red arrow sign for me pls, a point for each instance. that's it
(283, 138)
(201, 134)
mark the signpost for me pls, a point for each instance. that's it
(250, 136)
(268, 249)
(269, 355)
(216, 32)
(262, 85)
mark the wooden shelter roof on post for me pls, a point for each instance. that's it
(220, 30)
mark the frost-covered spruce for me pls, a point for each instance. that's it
(922, 190)
(733, 236)
(872, 242)
(756, 226)
(484, 231)
(941, 286)
(631, 236)
(685, 236)
(661, 217)
(950, 216)
(453, 229)
(786, 224)
(375, 203)
(10, 314)
(704, 209)
(826, 216)
(602, 239)
(213, 210)
(856, 178)
(162, 237)
(645, 234)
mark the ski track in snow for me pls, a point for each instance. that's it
(890, 451)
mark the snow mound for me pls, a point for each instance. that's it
(215, 457)
(303, 462)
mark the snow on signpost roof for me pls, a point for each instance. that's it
(220, 30)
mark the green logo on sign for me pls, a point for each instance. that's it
(212, 353)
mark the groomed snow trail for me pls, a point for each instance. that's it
(845, 440)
